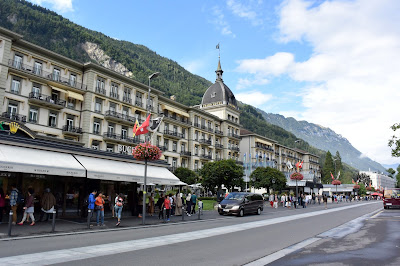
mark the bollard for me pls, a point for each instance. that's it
(10, 222)
(53, 222)
(164, 215)
(183, 213)
(88, 217)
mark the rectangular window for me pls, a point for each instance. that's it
(175, 129)
(15, 85)
(96, 127)
(17, 61)
(110, 129)
(196, 135)
(95, 145)
(35, 90)
(166, 159)
(196, 165)
(12, 108)
(174, 162)
(110, 148)
(112, 107)
(166, 144)
(56, 74)
(70, 122)
(52, 119)
(174, 146)
(124, 133)
(72, 80)
(114, 90)
(127, 95)
(71, 103)
(183, 132)
(33, 115)
(98, 105)
(125, 112)
(166, 126)
(183, 147)
(196, 150)
(37, 68)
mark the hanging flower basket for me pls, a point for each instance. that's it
(369, 188)
(356, 187)
(146, 151)
(336, 182)
(296, 176)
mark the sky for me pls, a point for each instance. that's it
(334, 63)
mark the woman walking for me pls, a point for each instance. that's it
(178, 205)
(167, 205)
(151, 204)
(99, 207)
(189, 204)
(29, 208)
(119, 204)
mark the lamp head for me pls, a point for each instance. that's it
(154, 75)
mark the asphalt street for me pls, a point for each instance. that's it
(226, 241)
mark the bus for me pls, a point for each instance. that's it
(391, 198)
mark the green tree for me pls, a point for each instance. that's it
(362, 191)
(328, 168)
(338, 163)
(391, 172)
(268, 178)
(224, 172)
(394, 142)
(398, 176)
(186, 175)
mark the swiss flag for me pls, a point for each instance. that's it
(143, 129)
(301, 164)
(332, 177)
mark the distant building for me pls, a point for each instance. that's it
(380, 180)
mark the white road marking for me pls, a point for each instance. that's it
(282, 253)
(73, 254)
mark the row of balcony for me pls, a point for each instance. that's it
(48, 75)
(209, 129)
(178, 119)
(264, 147)
(46, 100)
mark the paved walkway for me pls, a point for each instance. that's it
(80, 225)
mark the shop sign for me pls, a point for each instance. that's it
(125, 149)
(13, 127)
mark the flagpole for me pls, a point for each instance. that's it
(148, 137)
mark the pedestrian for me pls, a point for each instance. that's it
(159, 204)
(303, 201)
(111, 202)
(325, 198)
(99, 207)
(90, 201)
(276, 201)
(283, 200)
(29, 208)
(319, 199)
(271, 200)
(14, 201)
(167, 206)
(193, 200)
(189, 204)
(178, 205)
(172, 202)
(2, 203)
(47, 202)
(140, 204)
(151, 204)
(119, 204)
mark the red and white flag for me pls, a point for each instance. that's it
(332, 177)
(144, 128)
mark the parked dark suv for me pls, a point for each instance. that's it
(240, 203)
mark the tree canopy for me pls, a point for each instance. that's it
(224, 172)
(268, 178)
(186, 175)
(328, 168)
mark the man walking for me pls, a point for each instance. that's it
(14, 203)
(325, 198)
(193, 200)
(91, 201)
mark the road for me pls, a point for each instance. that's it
(226, 241)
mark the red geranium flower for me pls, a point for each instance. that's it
(147, 151)
(296, 176)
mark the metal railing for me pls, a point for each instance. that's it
(72, 129)
(121, 116)
(44, 74)
(205, 141)
(100, 90)
(219, 146)
(46, 98)
(14, 117)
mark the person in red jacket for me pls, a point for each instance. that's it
(167, 206)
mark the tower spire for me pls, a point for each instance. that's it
(219, 69)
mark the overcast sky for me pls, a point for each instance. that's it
(333, 63)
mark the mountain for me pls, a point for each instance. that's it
(325, 139)
(394, 166)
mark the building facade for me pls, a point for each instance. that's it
(380, 180)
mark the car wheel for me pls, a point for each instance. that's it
(241, 213)
(220, 213)
(259, 211)
(385, 207)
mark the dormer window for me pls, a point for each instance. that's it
(213, 94)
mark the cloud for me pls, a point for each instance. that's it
(194, 66)
(351, 76)
(255, 98)
(58, 5)
(221, 23)
(245, 83)
(244, 11)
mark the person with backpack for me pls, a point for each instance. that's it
(119, 204)
(29, 208)
(90, 203)
(48, 203)
(15, 199)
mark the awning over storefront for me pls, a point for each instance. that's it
(108, 170)
(122, 171)
(34, 161)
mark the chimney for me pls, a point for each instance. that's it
(172, 97)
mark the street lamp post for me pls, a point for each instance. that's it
(154, 75)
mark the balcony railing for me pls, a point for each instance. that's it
(46, 98)
(233, 135)
(219, 132)
(197, 125)
(124, 117)
(14, 117)
(139, 103)
(162, 148)
(234, 148)
(127, 99)
(173, 133)
(71, 129)
(44, 74)
(219, 146)
(186, 153)
(205, 141)
(101, 90)
(114, 95)
(205, 156)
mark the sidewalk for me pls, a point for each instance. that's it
(79, 224)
